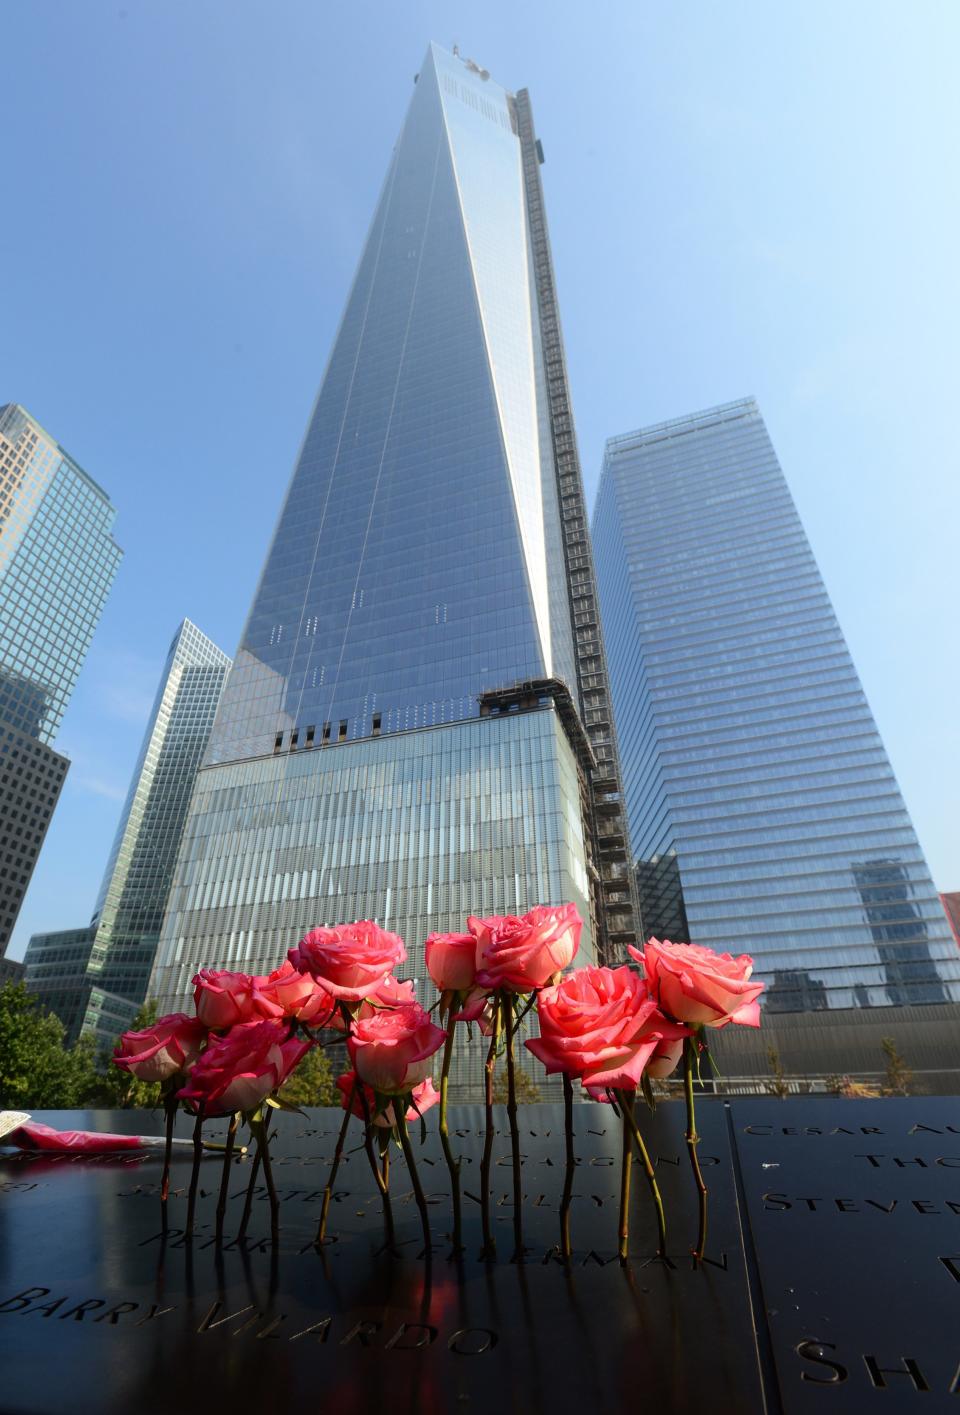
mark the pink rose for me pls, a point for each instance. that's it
(391, 1051)
(523, 954)
(451, 961)
(222, 998)
(423, 1096)
(698, 986)
(601, 1025)
(665, 1059)
(167, 1046)
(390, 993)
(241, 1068)
(349, 961)
(477, 1007)
(287, 993)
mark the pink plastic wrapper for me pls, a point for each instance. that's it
(34, 1136)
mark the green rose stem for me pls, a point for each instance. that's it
(195, 1174)
(382, 1180)
(693, 1139)
(489, 1242)
(259, 1128)
(506, 1007)
(625, 1168)
(331, 1178)
(400, 1111)
(565, 1202)
(338, 1152)
(225, 1176)
(248, 1201)
(626, 1099)
(171, 1105)
(453, 1164)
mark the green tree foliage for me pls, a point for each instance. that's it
(898, 1076)
(528, 1092)
(37, 1072)
(312, 1083)
(778, 1082)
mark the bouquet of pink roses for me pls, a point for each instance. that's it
(610, 1029)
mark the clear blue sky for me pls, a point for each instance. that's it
(743, 197)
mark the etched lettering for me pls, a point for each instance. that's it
(114, 1313)
(720, 1262)
(270, 1328)
(320, 1330)
(82, 1308)
(812, 1350)
(910, 1369)
(472, 1341)
(23, 1299)
(361, 1332)
(155, 1311)
(47, 1309)
(208, 1324)
(398, 1342)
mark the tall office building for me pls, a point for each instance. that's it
(764, 814)
(57, 563)
(95, 978)
(416, 725)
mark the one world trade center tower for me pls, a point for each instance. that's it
(417, 723)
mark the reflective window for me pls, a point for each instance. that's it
(764, 814)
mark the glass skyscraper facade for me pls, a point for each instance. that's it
(414, 563)
(58, 560)
(57, 563)
(402, 734)
(764, 814)
(75, 969)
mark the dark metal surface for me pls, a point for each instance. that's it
(98, 1314)
(853, 1214)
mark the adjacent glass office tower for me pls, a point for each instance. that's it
(764, 814)
(57, 563)
(401, 736)
(85, 975)
(58, 560)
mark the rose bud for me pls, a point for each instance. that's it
(695, 985)
(599, 1024)
(287, 993)
(451, 961)
(349, 961)
(477, 1007)
(423, 1096)
(168, 1046)
(665, 1059)
(222, 998)
(523, 954)
(242, 1067)
(389, 993)
(391, 1051)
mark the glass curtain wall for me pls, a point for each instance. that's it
(755, 777)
